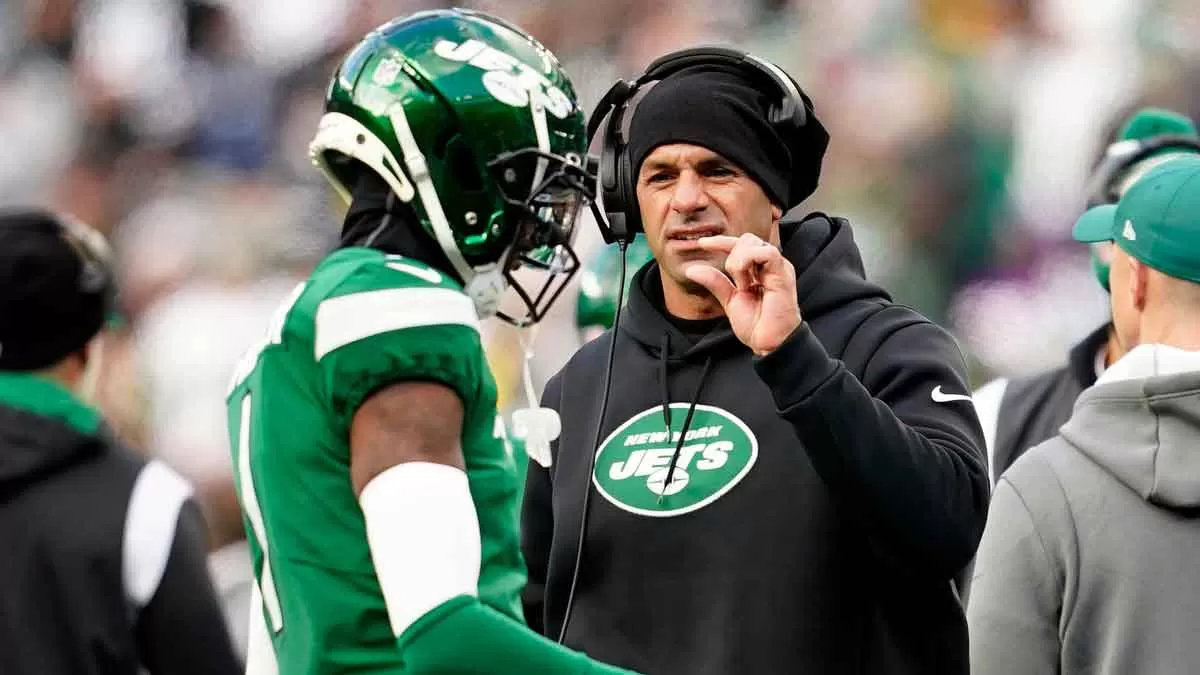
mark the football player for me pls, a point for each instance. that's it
(378, 486)
(600, 289)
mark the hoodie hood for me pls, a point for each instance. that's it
(43, 428)
(829, 275)
(1141, 422)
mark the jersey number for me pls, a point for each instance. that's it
(254, 514)
(250, 505)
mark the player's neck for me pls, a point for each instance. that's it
(377, 219)
(391, 233)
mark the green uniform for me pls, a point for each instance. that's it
(473, 125)
(363, 320)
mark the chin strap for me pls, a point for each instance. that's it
(534, 425)
(486, 289)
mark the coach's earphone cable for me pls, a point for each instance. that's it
(622, 243)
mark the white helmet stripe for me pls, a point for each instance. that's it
(542, 131)
(414, 161)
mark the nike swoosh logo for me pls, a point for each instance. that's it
(940, 396)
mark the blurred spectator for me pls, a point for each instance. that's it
(105, 565)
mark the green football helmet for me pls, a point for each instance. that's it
(474, 124)
(599, 282)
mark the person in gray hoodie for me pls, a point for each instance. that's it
(1088, 562)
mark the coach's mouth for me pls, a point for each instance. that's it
(693, 232)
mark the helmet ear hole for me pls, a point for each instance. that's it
(461, 164)
(345, 168)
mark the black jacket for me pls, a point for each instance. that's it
(104, 567)
(827, 499)
(1021, 412)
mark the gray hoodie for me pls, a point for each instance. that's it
(1090, 562)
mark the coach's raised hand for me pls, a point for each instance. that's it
(759, 293)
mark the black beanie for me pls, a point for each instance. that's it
(51, 304)
(719, 108)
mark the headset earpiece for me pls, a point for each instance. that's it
(1122, 155)
(609, 209)
(624, 217)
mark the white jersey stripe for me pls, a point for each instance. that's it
(260, 651)
(349, 318)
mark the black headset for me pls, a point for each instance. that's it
(616, 178)
(1123, 155)
(97, 275)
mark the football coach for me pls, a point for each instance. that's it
(766, 465)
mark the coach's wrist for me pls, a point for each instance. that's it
(796, 367)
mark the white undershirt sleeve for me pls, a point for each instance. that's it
(423, 532)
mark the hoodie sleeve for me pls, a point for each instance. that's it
(1016, 593)
(903, 449)
(537, 525)
(182, 630)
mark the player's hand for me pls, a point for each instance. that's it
(759, 293)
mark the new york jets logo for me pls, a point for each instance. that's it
(633, 462)
(509, 80)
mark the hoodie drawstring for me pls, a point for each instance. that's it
(664, 347)
(687, 421)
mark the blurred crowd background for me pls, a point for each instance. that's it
(962, 135)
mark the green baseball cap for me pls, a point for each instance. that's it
(1151, 122)
(1157, 220)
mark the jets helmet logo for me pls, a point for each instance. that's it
(633, 462)
(508, 79)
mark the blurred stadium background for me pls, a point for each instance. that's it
(963, 132)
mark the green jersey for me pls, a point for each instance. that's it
(363, 320)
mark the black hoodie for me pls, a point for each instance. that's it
(89, 583)
(824, 496)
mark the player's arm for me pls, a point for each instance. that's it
(407, 467)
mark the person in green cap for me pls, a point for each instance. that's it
(1092, 534)
(600, 290)
(1018, 413)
